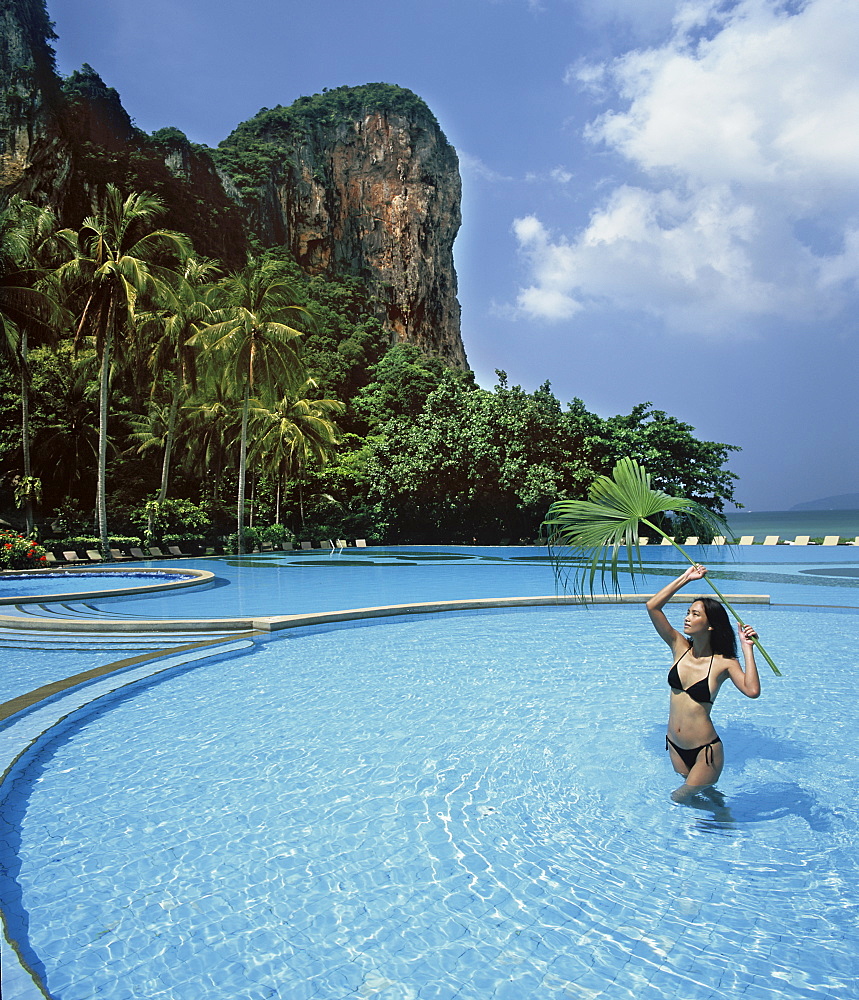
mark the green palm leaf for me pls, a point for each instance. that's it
(593, 539)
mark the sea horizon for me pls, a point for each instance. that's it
(787, 524)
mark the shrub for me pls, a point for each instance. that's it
(18, 552)
(276, 533)
(172, 517)
(252, 540)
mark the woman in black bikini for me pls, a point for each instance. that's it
(705, 655)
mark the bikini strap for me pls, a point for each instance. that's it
(680, 657)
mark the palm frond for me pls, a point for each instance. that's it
(593, 539)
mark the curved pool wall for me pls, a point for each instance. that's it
(59, 585)
(172, 650)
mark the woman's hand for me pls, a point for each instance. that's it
(747, 635)
(696, 572)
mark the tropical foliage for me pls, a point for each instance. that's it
(172, 398)
(18, 552)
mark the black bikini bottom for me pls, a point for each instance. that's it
(690, 757)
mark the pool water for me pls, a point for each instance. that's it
(292, 583)
(473, 806)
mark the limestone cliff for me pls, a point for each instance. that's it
(30, 140)
(357, 180)
(362, 180)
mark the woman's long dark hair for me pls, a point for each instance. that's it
(722, 638)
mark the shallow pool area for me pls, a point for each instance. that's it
(461, 805)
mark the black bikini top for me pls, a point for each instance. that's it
(700, 690)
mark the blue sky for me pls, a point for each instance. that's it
(660, 197)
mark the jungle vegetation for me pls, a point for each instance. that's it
(148, 392)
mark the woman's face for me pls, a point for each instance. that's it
(695, 620)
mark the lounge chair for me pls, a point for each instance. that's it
(307, 545)
(51, 559)
(360, 543)
(94, 555)
(771, 540)
(174, 550)
(830, 539)
(718, 540)
(266, 547)
(286, 546)
(667, 541)
(156, 552)
(691, 540)
(801, 540)
(747, 540)
(73, 557)
(117, 555)
(643, 540)
(341, 543)
(138, 554)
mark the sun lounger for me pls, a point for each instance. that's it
(360, 543)
(117, 555)
(51, 559)
(691, 540)
(643, 540)
(266, 547)
(666, 541)
(801, 540)
(138, 554)
(831, 539)
(747, 540)
(73, 557)
(771, 540)
(174, 550)
(307, 545)
(719, 540)
(94, 555)
(156, 552)
(341, 543)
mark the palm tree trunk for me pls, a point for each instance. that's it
(101, 496)
(243, 448)
(25, 430)
(168, 443)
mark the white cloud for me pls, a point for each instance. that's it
(474, 166)
(744, 126)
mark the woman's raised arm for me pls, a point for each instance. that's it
(656, 603)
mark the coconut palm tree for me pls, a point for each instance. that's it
(292, 434)
(165, 333)
(119, 259)
(255, 339)
(593, 531)
(29, 249)
(212, 425)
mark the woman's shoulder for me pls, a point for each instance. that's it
(679, 644)
(722, 662)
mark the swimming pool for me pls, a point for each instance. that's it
(437, 808)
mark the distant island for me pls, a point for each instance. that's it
(844, 501)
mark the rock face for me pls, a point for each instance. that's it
(358, 181)
(30, 140)
(377, 196)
